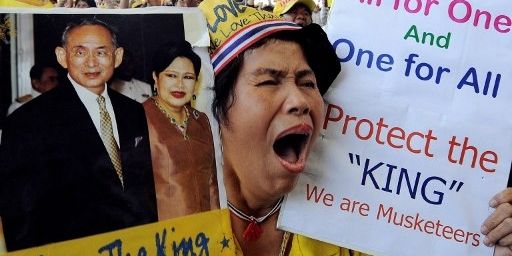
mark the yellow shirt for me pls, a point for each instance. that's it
(305, 246)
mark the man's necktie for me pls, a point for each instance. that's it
(107, 135)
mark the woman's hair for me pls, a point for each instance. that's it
(225, 81)
(166, 53)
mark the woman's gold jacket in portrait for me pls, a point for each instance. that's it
(183, 168)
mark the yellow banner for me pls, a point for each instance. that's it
(199, 235)
(26, 3)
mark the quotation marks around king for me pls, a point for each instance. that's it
(350, 207)
(391, 215)
(431, 189)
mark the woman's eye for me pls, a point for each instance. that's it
(267, 82)
(171, 75)
(309, 84)
(190, 77)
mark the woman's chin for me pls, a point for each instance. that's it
(285, 184)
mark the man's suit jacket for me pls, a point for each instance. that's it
(56, 178)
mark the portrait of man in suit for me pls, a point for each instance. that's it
(76, 161)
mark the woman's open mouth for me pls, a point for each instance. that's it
(290, 146)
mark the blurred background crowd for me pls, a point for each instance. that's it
(310, 11)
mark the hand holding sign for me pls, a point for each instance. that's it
(497, 227)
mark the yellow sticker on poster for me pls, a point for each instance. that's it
(201, 234)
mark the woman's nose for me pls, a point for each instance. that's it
(296, 102)
(181, 83)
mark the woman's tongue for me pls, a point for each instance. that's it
(288, 154)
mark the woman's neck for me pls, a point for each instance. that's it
(177, 112)
(256, 205)
(250, 203)
(255, 209)
(269, 242)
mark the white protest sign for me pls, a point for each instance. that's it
(418, 128)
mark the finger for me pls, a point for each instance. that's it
(502, 212)
(505, 241)
(502, 230)
(502, 251)
(505, 196)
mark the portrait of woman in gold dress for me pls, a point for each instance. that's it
(181, 141)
